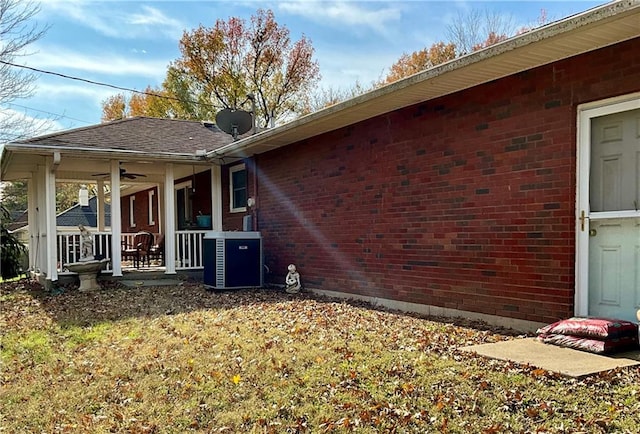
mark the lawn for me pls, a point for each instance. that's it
(181, 359)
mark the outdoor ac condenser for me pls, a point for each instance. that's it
(232, 260)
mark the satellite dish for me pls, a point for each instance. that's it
(234, 122)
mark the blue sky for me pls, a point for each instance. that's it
(130, 43)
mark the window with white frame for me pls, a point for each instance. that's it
(238, 188)
(151, 217)
(132, 209)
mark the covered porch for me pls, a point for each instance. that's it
(152, 172)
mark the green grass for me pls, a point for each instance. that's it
(173, 360)
(12, 279)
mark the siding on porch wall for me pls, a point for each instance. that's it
(464, 202)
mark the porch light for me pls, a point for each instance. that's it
(83, 196)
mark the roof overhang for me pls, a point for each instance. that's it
(19, 161)
(588, 31)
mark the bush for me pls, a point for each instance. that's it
(12, 250)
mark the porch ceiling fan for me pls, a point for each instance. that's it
(123, 174)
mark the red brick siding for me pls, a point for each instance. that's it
(141, 212)
(465, 202)
(232, 221)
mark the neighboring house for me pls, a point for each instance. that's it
(501, 185)
(67, 221)
(87, 216)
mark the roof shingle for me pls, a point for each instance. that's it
(154, 135)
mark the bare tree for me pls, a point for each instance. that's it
(17, 32)
(477, 29)
(327, 96)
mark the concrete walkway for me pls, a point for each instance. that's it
(565, 361)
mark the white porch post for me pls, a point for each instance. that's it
(116, 220)
(169, 221)
(160, 210)
(216, 197)
(50, 219)
(100, 205)
(40, 228)
(32, 215)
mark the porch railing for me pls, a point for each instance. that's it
(69, 247)
(188, 248)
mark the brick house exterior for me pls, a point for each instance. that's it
(464, 189)
(465, 202)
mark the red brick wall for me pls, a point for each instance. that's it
(232, 221)
(141, 212)
(465, 202)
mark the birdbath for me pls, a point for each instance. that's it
(87, 267)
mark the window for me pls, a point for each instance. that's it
(151, 220)
(183, 205)
(238, 188)
(132, 211)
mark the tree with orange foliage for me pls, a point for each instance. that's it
(468, 32)
(114, 108)
(232, 60)
(409, 64)
(220, 66)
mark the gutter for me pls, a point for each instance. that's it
(96, 153)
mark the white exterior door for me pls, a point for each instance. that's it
(609, 211)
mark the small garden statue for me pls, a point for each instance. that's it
(86, 252)
(292, 280)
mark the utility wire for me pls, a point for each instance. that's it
(98, 83)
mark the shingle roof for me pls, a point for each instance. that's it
(74, 216)
(152, 135)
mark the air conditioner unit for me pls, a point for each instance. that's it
(232, 260)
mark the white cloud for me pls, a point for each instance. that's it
(342, 69)
(154, 18)
(345, 14)
(21, 125)
(74, 91)
(117, 20)
(62, 59)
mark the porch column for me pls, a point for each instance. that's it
(169, 220)
(40, 222)
(100, 205)
(116, 220)
(51, 267)
(160, 210)
(32, 216)
(216, 197)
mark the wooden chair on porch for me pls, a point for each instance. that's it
(157, 250)
(142, 242)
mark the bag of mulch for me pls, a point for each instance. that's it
(597, 346)
(598, 328)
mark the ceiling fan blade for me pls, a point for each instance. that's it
(133, 175)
